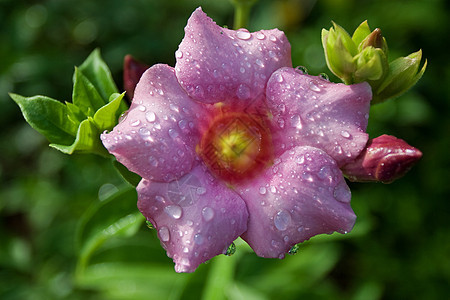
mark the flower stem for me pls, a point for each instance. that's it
(242, 12)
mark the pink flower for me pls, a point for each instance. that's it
(235, 142)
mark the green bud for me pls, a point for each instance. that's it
(363, 57)
(339, 51)
(403, 74)
(370, 64)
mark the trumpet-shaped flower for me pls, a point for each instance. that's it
(233, 142)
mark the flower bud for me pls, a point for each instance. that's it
(132, 72)
(385, 158)
(364, 57)
(403, 74)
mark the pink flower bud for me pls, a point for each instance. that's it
(384, 159)
(132, 72)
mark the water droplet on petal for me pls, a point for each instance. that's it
(345, 134)
(164, 234)
(301, 70)
(324, 76)
(150, 116)
(260, 35)
(141, 108)
(282, 220)
(173, 133)
(259, 63)
(179, 54)
(173, 211)
(201, 190)
(135, 123)
(198, 239)
(243, 34)
(207, 213)
(262, 190)
(296, 121)
(272, 38)
(342, 193)
(314, 87)
(279, 77)
(123, 116)
(243, 92)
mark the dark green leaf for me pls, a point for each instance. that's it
(49, 117)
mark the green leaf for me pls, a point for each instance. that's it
(49, 117)
(85, 95)
(130, 177)
(98, 73)
(106, 117)
(361, 33)
(87, 140)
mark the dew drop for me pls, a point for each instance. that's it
(160, 198)
(282, 220)
(296, 121)
(178, 54)
(201, 190)
(150, 116)
(243, 34)
(135, 123)
(123, 116)
(141, 108)
(260, 35)
(207, 213)
(174, 108)
(173, 211)
(324, 76)
(272, 38)
(279, 77)
(164, 234)
(301, 70)
(173, 133)
(242, 70)
(262, 190)
(314, 87)
(198, 239)
(273, 189)
(259, 63)
(345, 134)
(243, 92)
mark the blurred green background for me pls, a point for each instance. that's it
(62, 235)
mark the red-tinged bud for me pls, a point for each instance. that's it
(384, 159)
(132, 72)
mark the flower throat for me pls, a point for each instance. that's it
(236, 146)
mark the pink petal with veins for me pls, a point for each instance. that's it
(157, 137)
(303, 194)
(196, 216)
(216, 64)
(308, 110)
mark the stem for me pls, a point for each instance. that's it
(242, 12)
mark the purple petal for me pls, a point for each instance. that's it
(196, 217)
(308, 110)
(157, 138)
(216, 64)
(303, 194)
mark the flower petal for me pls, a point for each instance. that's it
(157, 137)
(308, 110)
(216, 64)
(303, 194)
(197, 217)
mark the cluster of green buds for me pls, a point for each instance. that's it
(364, 57)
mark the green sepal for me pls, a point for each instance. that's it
(403, 74)
(85, 95)
(106, 117)
(86, 141)
(370, 65)
(48, 116)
